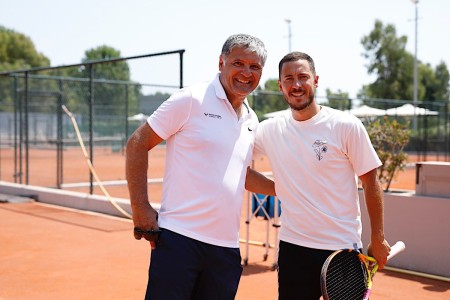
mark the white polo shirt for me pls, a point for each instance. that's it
(208, 152)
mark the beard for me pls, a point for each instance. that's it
(300, 106)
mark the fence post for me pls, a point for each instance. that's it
(27, 146)
(126, 117)
(91, 121)
(59, 137)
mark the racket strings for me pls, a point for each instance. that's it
(346, 277)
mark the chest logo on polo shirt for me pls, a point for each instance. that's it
(213, 116)
(320, 147)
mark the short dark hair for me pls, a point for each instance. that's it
(247, 41)
(294, 56)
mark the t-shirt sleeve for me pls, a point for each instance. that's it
(258, 149)
(171, 115)
(361, 153)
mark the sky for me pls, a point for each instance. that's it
(328, 30)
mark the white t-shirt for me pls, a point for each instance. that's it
(208, 152)
(315, 164)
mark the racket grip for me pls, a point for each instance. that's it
(396, 249)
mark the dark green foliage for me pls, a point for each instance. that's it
(17, 51)
(337, 100)
(393, 67)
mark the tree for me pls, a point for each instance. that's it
(271, 85)
(17, 51)
(441, 84)
(434, 83)
(112, 71)
(427, 80)
(394, 69)
(268, 99)
(111, 82)
(390, 62)
(338, 100)
(274, 100)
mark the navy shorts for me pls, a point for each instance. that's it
(182, 268)
(299, 271)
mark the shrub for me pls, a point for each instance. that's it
(389, 138)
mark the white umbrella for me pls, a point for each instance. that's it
(409, 110)
(367, 111)
(138, 117)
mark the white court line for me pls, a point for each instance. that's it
(106, 183)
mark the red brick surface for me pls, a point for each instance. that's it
(49, 252)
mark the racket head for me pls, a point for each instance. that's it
(344, 276)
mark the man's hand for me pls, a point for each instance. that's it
(151, 235)
(379, 251)
(146, 225)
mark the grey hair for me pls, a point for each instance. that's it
(247, 41)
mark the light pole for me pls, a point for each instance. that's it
(415, 66)
(288, 21)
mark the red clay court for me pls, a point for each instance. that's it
(50, 252)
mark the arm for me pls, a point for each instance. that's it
(258, 183)
(373, 194)
(140, 142)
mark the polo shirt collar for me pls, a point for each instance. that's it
(220, 92)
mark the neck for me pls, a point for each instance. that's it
(307, 113)
(238, 110)
(237, 105)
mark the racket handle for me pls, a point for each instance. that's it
(396, 249)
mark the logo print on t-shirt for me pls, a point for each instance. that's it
(213, 116)
(320, 147)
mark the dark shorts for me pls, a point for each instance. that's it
(183, 268)
(299, 272)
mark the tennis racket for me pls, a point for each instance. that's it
(347, 274)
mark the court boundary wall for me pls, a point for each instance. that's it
(422, 223)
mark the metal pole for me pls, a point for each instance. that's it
(91, 121)
(415, 67)
(59, 136)
(288, 21)
(446, 131)
(126, 118)
(27, 142)
(16, 126)
(181, 69)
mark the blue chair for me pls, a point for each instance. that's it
(264, 206)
